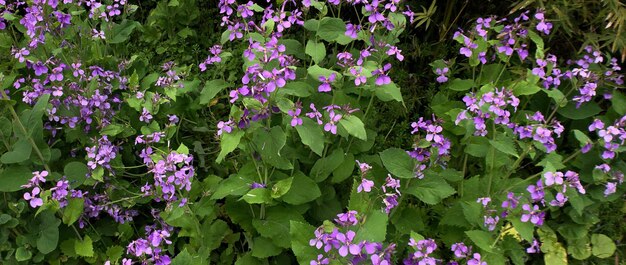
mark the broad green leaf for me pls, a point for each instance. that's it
(20, 153)
(324, 166)
(344, 170)
(301, 233)
(522, 88)
(579, 248)
(275, 226)
(461, 84)
(582, 138)
(234, 185)
(23, 254)
(281, 187)
(48, 232)
(115, 253)
(112, 130)
(354, 126)
(121, 32)
(558, 96)
(602, 246)
(84, 248)
(13, 177)
(269, 144)
(505, 145)
(619, 102)
(214, 233)
(375, 227)
(316, 50)
(315, 72)
(298, 89)
(264, 248)
(228, 144)
(211, 89)
(248, 259)
(331, 28)
(586, 110)
(481, 239)
(303, 189)
(430, 190)
(389, 92)
(538, 42)
(256, 196)
(183, 258)
(556, 256)
(312, 136)
(525, 229)
(76, 173)
(398, 162)
(73, 210)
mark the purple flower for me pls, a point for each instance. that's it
(33, 199)
(476, 260)
(460, 250)
(532, 214)
(224, 127)
(321, 260)
(295, 113)
(559, 200)
(331, 126)
(352, 30)
(347, 219)
(553, 178)
(325, 86)
(534, 247)
(382, 78)
(346, 244)
(611, 187)
(366, 185)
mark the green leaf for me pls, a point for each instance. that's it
(398, 162)
(525, 229)
(301, 233)
(229, 143)
(84, 248)
(23, 254)
(76, 173)
(73, 210)
(258, 196)
(48, 233)
(481, 239)
(275, 226)
(112, 130)
(354, 126)
(234, 185)
(183, 258)
(586, 110)
(344, 171)
(534, 37)
(619, 102)
(214, 233)
(312, 136)
(211, 89)
(323, 167)
(13, 177)
(330, 29)
(461, 84)
(558, 96)
(315, 72)
(303, 189)
(121, 32)
(298, 89)
(281, 187)
(269, 144)
(602, 246)
(114, 253)
(523, 87)
(375, 227)
(264, 248)
(504, 145)
(389, 92)
(430, 190)
(316, 50)
(20, 153)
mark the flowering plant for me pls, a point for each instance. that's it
(275, 158)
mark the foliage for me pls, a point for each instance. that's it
(133, 133)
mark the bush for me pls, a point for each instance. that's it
(123, 146)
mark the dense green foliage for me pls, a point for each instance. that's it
(312, 132)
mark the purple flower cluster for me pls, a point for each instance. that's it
(391, 189)
(592, 79)
(423, 249)
(172, 173)
(366, 184)
(101, 154)
(214, 58)
(435, 142)
(150, 250)
(337, 244)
